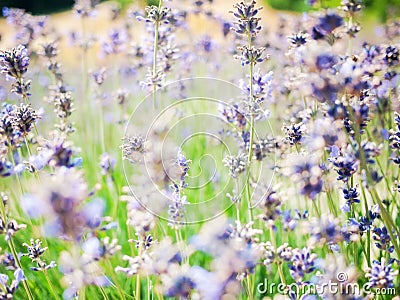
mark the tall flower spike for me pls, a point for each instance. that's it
(298, 39)
(8, 291)
(352, 6)
(246, 22)
(236, 164)
(85, 8)
(24, 118)
(251, 55)
(381, 275)
(35, 251)
(303, 262)
(156, 14)
(14, 62)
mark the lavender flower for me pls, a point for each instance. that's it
(24, 118)
(85, 8)
(8, 291)
(251, 55)
(298, 39)
(381, 275)
(55, 151)
(294, 133)
(14, 62)
(236, 164)
(7, 261)
(61, 201)
(271, 208)
(246, 23)
(346, 164)
(10, 227)
(179, 284)
(176, 209)
(302, 263)
(27, 27)
(6, 168)
(35, 251)
(391, 55)
(364, 223)
(325, 61)
(131, 146)
(327, 24)
(284, 253)
(288, 222)
(262, 86)
(116, 42)
(235, 252)
(394, 139)
(122, 97)
(306, 173)
(79, 271)
(234, 115)
(245, 232)
(156, 15)
(325, 230)
(352, 6)
(107, 163)
(62, 100)
(263, 147)
(351, 196)
(138, 217)
(99, 76)
(16, 122)
(382, 239)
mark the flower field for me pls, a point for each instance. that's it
(199, 150)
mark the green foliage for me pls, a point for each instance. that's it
(381, 9)
(298, 5)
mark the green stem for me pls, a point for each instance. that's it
(368, 232)
(82, 294)
(375, 196)
(26, 100)
(249, 285)
(249, 206)
(279, 264)
(387, 221)
(155, 63)
(316, 208)
(15, 254)
(103, 292)
(102, 131)
(155, 50)
(50, 285)
(369, 248)
(331, 204)
(137, 293)
(16, 175)
(114, 278)
(237, 203)
(250, 150)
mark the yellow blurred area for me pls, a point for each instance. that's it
(66, 22)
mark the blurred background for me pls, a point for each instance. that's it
(381, 9)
